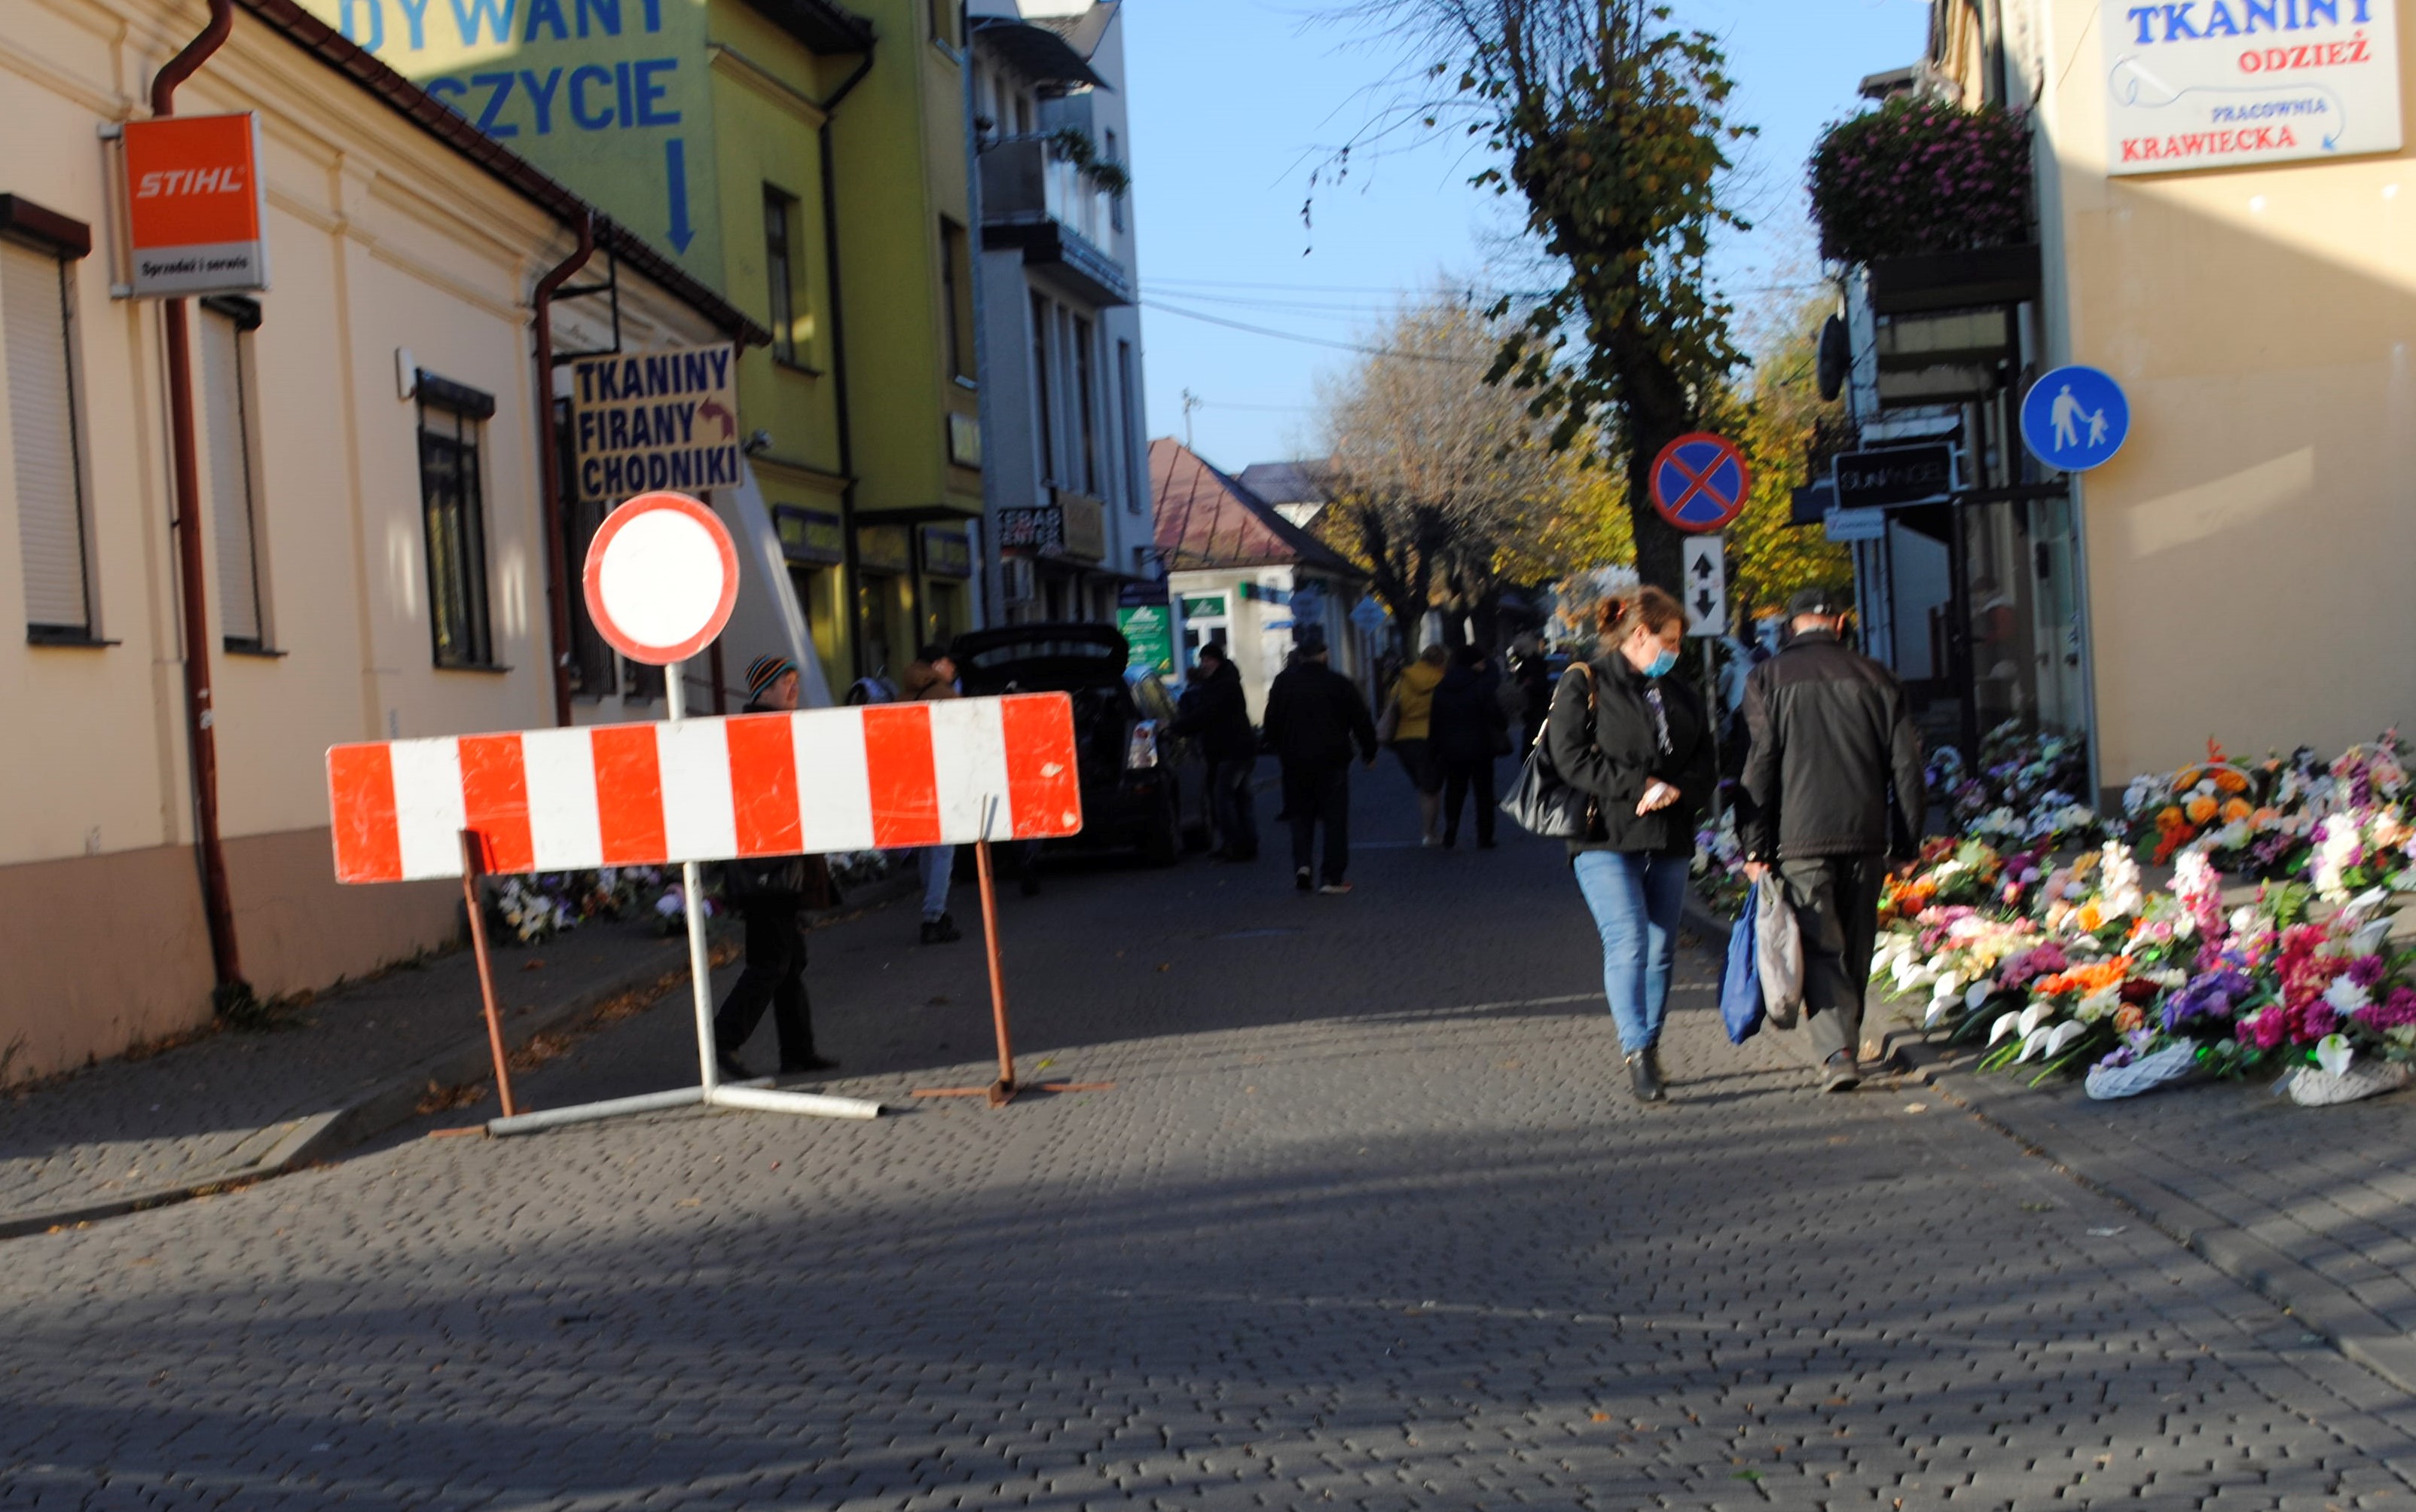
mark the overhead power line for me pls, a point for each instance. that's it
(1312, 340)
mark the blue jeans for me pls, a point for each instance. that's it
(1637, 899)
(935, 864)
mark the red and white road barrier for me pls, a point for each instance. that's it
(822, 780)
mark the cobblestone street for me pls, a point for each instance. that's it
(1367, 1220)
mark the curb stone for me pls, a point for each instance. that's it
(393, 1099)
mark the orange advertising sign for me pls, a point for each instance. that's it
(195, 206)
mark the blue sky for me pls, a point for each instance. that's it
(1234, 101)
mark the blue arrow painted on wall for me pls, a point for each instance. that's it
(675, 174)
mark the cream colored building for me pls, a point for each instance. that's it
(2246, 556)
(391, 355)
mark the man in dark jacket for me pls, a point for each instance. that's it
(1467, 730)
(1216, 711)
(769, 893)
(1314, 717)
(1831, 738)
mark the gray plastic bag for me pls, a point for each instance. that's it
(1778, 952)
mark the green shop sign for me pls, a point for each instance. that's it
(1149, 633)
(608, 95)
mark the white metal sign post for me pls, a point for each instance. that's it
(661, 579)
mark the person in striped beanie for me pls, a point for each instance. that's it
(771, 685)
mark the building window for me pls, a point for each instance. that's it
(38, 332)
(957, 291)
(780, 271)
(1040, 385)
(1115, 202)
(1129, 391)
(226, 389)
(1084, 401)
(944, 22)
(452, 504)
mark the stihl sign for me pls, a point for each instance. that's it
(194, 205)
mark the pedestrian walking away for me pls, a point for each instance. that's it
(1314, 719)
(1469, 729)
(1217, 713)
(770, 894)
(1833, 742)
(1638, 741)
(934, 675)
(1411, 709)
(1530, 674)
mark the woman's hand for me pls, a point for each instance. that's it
(1658, 795)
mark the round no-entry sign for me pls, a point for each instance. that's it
(1700, 482)
(662, 576)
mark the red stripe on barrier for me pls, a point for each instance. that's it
(1043, 789)
(494, 801)
(905, 779)
(360, 792)
(763, 785)
(628, 795)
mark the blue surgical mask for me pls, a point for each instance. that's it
(1663, 664)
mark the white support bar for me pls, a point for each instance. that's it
(649, 1102)
(729, 1095)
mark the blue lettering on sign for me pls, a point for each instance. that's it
(596, 99)
(415, 12)
(649, 92)
(345, 23)
(546, 13)
(580, 76)
(2178, 22)
(605, 13)
(496, 14)
(541, 98)
(654, 15)
(501, 84)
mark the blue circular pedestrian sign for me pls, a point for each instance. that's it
(2076, 418)
(1700, 482)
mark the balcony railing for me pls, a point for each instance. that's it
(1035, 198)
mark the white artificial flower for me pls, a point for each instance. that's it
(2034, 1014)
(2003, 1026)
(2031, 1044)
(2061, 1035)
(2098, 1005)
(2332, 1054)
(2346, 997)
(1978, 992)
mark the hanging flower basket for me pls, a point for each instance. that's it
(1919, 176)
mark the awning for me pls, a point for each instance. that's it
(1036, 52)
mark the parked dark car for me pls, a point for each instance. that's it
(1131, 794)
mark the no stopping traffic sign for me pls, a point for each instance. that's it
(661, 579)
(1700, 482)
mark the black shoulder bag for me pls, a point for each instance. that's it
(1541, 802)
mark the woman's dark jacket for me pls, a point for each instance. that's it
(1467, 724)
(1629, 752)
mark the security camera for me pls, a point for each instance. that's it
(759, 443)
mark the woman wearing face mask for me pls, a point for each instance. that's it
(1636, 740)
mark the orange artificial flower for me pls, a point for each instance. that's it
(2168, 819)
(2235, 810)
(2201, 808)
(2095, 978)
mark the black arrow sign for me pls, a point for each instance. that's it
(1705, 603)
(1703, 567)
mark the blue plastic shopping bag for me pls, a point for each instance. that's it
(1741, 1006)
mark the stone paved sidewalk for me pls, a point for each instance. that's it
(2316, 1207)
(222, 1106)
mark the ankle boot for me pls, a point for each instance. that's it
(1640, 1077)
(1652, 1059)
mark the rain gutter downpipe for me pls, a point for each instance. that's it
(838, 351)
(549, 467)
(201, 737)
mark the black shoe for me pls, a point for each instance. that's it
(1488, 845)
(808, 1066)
(1838, 1073)
(731, 1067)
(1031, 885)
(1304, 880)
(941, 930)
(1450, 840)
(1641, 1078)
(1652, 1059)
